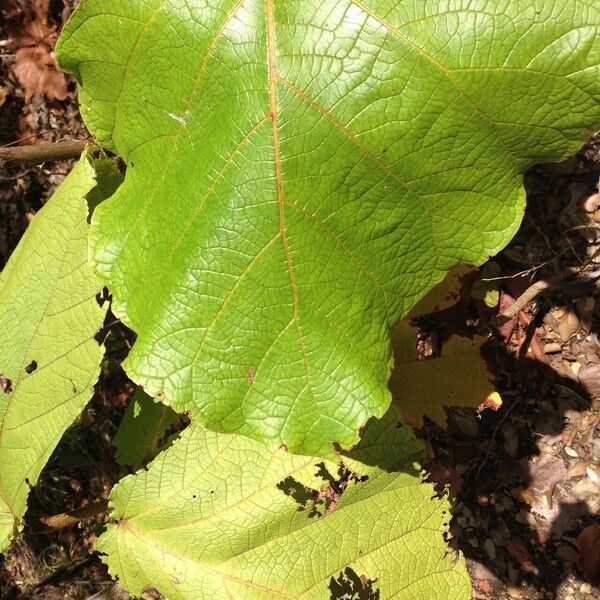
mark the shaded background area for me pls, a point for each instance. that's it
(526, 479)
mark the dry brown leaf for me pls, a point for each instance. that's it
(29, 26)
(588, 544)
(546, 472)
(37, 71)
(589, 377)
(31, 33)
(460, 377)
(34, 38)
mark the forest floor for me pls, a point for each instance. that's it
(525, 480)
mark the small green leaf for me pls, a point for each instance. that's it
(300, 173)
(221, 516)
(49, 359)
(145, 422)
(488, 291)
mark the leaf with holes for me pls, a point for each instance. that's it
(223, 516)
(49, 359)
(300, 173)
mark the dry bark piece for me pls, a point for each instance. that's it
(552, 348)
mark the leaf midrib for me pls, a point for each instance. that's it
(273, 109)
(126, 527)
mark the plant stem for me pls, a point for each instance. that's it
(36, 154)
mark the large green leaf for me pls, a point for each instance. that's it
(210, 519)
(301, 172)
(49, 359)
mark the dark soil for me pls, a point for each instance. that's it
(525, 480)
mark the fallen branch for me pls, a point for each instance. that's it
(532, 292)
(37, 154)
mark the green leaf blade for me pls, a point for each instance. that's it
(315, 169)
(140, 434)
(222, 527)
(48, 319)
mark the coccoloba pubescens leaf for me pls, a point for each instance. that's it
(222, 516)
(301, 172)
(49, 359)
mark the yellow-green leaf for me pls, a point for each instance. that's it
(215, 517)
(49, 359)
